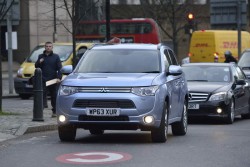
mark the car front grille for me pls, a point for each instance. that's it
(81, 103)
(99, 118)
(104, 90)
(197, 97)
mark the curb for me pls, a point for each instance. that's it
(24, 129)
(9, 96)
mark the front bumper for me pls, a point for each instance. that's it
(129, 118)
(22, 87)
(209, 109)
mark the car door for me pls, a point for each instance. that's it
(241, 92)
(180, 84)
(175, 82)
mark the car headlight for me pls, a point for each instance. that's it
(67, 90)
(20, 72)
(218, 96)
(145, 91)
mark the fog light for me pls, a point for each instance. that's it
(62, 118)
(219, 110)
(148, 119)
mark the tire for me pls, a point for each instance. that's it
(230, 115)
(180, 128)
(67, 133)
(24, 96)
(96, 131)
(159, 135)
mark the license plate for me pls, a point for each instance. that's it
(103, 111)
(28, 86)
(193, 106)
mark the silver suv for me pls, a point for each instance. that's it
(124, 87)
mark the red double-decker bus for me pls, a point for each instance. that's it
(138, 30)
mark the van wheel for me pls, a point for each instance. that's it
(96, 131)
(160, 134)
(67, 133)
(180, 128)
(24, 96)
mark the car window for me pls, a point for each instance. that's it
(120, 61)
(207, 73)
(244, 60)
(172, 56)
(235, 73)
(167, 60)
(64, 51)
(240, 73)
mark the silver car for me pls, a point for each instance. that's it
(124, 87)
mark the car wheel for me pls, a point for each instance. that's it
(24, 96)
(96, 131)
(67, 133)
(180, 128)
(230, 114)
(160, 134)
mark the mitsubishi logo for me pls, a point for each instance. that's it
(103, 90)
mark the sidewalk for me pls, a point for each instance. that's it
(20, 121)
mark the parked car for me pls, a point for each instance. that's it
(244, 62)
(217, 90)
(27, 68)
(124, 87)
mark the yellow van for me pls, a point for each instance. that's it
(209, 45)
(64, 50)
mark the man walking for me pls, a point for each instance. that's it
(50, 65)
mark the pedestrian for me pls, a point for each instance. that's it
(50, 65)
(229, 57)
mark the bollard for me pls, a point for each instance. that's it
(38, 96)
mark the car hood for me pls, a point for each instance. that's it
(109, 79)
(208, 87)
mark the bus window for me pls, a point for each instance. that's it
(128, 30)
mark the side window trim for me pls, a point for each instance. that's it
(172, 56)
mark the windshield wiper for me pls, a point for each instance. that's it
(199, 80)
(151, 72)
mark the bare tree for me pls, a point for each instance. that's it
(4, 9)
(71, 8)
(170, 16)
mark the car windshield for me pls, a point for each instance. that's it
(64, 51)
(207, 73)
(120, 61)
(244, 60)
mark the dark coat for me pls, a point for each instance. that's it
(50, 67)
(230, 59)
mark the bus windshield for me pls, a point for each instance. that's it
(128, 30)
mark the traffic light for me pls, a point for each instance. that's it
(190, 17)
(190, 27)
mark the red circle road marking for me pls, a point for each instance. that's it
(95, 157)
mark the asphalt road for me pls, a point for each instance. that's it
(207, 144)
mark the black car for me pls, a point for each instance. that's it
(217, 90)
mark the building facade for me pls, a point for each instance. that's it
(39, 23)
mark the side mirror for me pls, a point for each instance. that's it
(174, 70)
(240, 82)
(66, 70)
